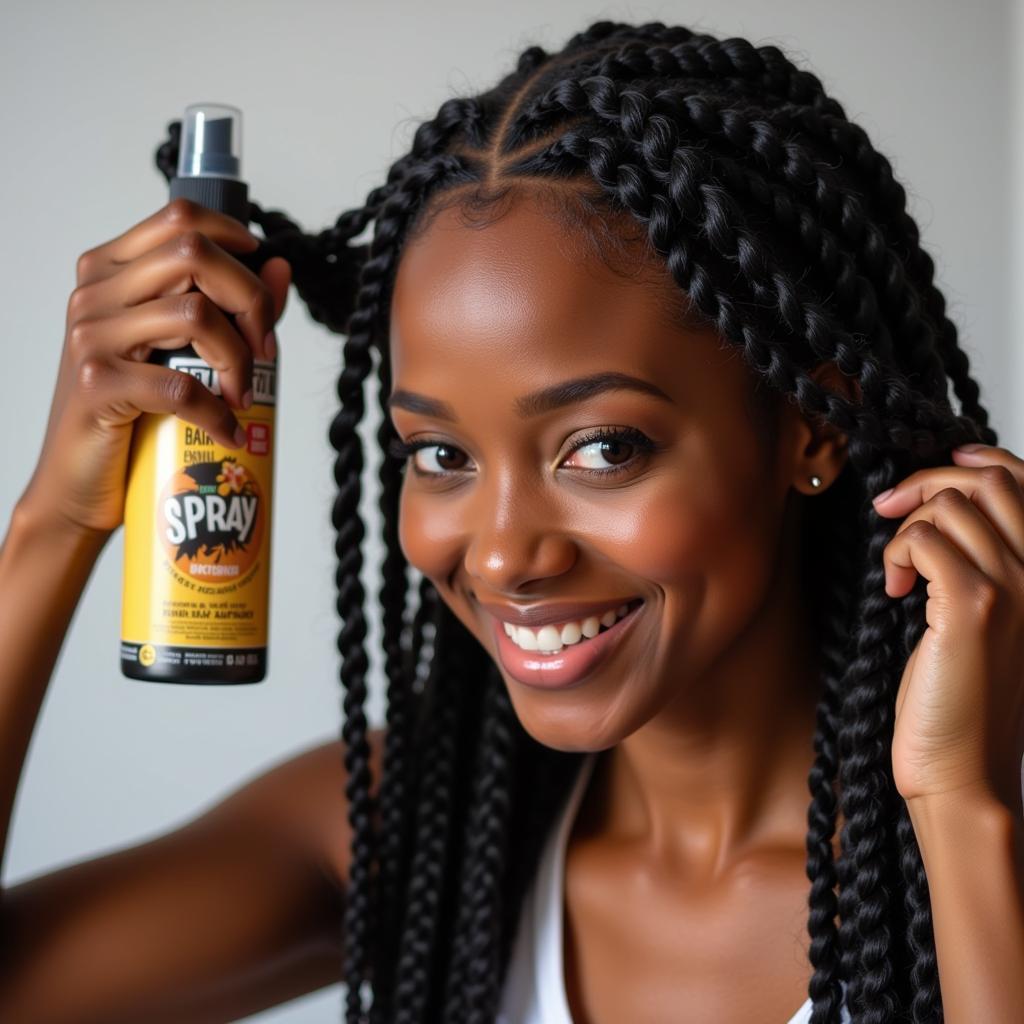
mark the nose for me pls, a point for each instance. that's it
(516, 546)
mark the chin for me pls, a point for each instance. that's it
(567, 720)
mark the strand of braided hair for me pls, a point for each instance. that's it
(725, 155)
(914, 420)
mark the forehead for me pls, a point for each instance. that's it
(526, 300)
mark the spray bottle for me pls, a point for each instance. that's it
(196, 585)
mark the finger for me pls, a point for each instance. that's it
(899, 499)
(182, 263)
(178, 216)
(122, 388)
(169, 322)
(276, 274)
(923, 549)
(967, 527)
(990, 454)
(993, 489)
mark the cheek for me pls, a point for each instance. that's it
(711, 551)
(427, 536)
(678, 533)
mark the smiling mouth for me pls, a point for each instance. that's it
(552, 639)
(571, 664)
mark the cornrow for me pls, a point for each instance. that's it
(779, 224)
(718, 217)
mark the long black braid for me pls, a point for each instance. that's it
(788, 232)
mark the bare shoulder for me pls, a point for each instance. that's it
(305, 794)
(234, 911)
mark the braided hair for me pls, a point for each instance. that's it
(787, 231)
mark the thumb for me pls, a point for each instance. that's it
(276, 274)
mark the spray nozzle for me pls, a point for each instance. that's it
(211, 142)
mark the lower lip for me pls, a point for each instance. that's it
(571, 665)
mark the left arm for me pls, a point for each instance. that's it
(959, 728)
(973, 853)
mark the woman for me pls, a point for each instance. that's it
(651, 597)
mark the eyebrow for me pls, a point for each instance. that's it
(567, 392)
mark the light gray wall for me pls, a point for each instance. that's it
(331, 93)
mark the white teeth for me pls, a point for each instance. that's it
(571, 633)
(525, 638)
(550, 639)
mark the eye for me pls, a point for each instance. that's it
(622, 447)
(400, 449)
(617, 445)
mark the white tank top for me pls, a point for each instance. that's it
(534, 991)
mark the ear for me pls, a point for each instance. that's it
(818, 448)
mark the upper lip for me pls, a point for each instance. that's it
(545, 614)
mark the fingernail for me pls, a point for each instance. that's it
(270, 345)
(240, 435)
(247, 399)
(881, 497)
(969, 448)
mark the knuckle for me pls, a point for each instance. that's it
(92, 373)
(78, 302)
(80, 336)
(85, 266)
(182, 388)
(986, 597)
(194, 308)
(190, 244)
(918, 529)
(998, 477)
(950, 497)
(181, 212)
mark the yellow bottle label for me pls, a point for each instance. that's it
(197, 542)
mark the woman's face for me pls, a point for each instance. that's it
(512, 505)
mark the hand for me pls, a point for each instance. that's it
(168, 281)
(960, 705)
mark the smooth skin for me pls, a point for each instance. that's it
(685, 866)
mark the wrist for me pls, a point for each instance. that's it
(986, 798)
(960, 809)
(29, 523)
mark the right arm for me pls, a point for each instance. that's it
(240, 908)
(235, 912)
(42, 575)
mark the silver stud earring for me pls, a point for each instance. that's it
(815, 481)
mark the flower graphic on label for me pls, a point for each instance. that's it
(211, 520)
(231, 478)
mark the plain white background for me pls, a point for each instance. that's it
(331, 94)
